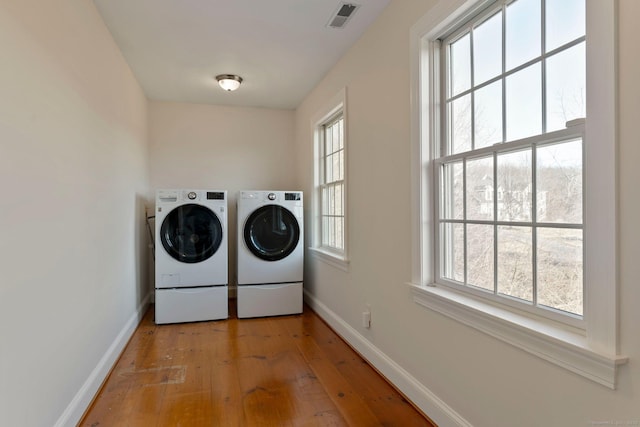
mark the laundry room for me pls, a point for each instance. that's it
(229, 148)
(85, 146)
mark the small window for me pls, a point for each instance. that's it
(331, 188)
(330, 219)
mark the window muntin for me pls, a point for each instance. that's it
(511, 73)
(510, 173)
(332, 185)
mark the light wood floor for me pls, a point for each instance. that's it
(277, 371)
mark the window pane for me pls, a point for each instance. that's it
(453, 193)
(560, 269)
(331, 200)
(325, 231)
(565, 21)
(515, 277)
(480, 189)
(334, 167)
(488, 115)
(487, 49)
(480, 259)
(328, 169)
(452, 250)
(336, 232)
(325, 201)
(338, 199)
(339, 233)
(559, 182)
(337, 137)
(460, 65)
(460, 125)
(328, 141)
(523, 30)
(524, 103)
(340, 126)
(337, 175)
(514, 186)
(566, 84)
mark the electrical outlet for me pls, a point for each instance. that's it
(366, 316)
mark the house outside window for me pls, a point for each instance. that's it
(515, 135)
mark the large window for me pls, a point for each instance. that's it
(515, 190)
(510, 159)
(330, 171)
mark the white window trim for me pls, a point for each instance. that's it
(594, 352)
(339, 260)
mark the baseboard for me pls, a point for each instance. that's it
(81, 401)
(423, 398)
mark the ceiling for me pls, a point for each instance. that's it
(281, 48)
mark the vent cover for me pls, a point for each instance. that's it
(340, 18)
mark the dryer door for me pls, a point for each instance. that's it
(271, 232)
(191, 233)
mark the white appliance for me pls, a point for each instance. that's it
(270, 253)
(191, 252)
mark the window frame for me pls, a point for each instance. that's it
(591, 350)
(324, 184)
(331, 255)
(443, 151)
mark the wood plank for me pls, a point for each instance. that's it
(354, 410)
(278, 371)
(372, 387)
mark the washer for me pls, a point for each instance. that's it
(270, 253)
(191, 254)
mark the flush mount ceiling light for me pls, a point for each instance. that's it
(229, 82)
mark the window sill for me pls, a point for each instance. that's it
(549, 341)
(330, 258)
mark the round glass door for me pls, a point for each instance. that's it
(271, 232)
(191, 233)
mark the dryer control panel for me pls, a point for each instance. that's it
(215, 195)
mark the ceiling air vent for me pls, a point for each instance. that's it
(343, 14)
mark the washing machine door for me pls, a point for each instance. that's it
(271, 232)
(191, 233)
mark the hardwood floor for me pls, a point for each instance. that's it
(277, 371)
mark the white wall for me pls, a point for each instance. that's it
(461, 371)
(225, 148)
(73, 174)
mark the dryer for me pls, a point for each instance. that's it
(191, 252)
(270, 253)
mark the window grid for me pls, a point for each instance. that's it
(450, 95)
(449, 255)
(332, 218)
(451, 274)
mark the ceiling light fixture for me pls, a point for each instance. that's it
(229, 82)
